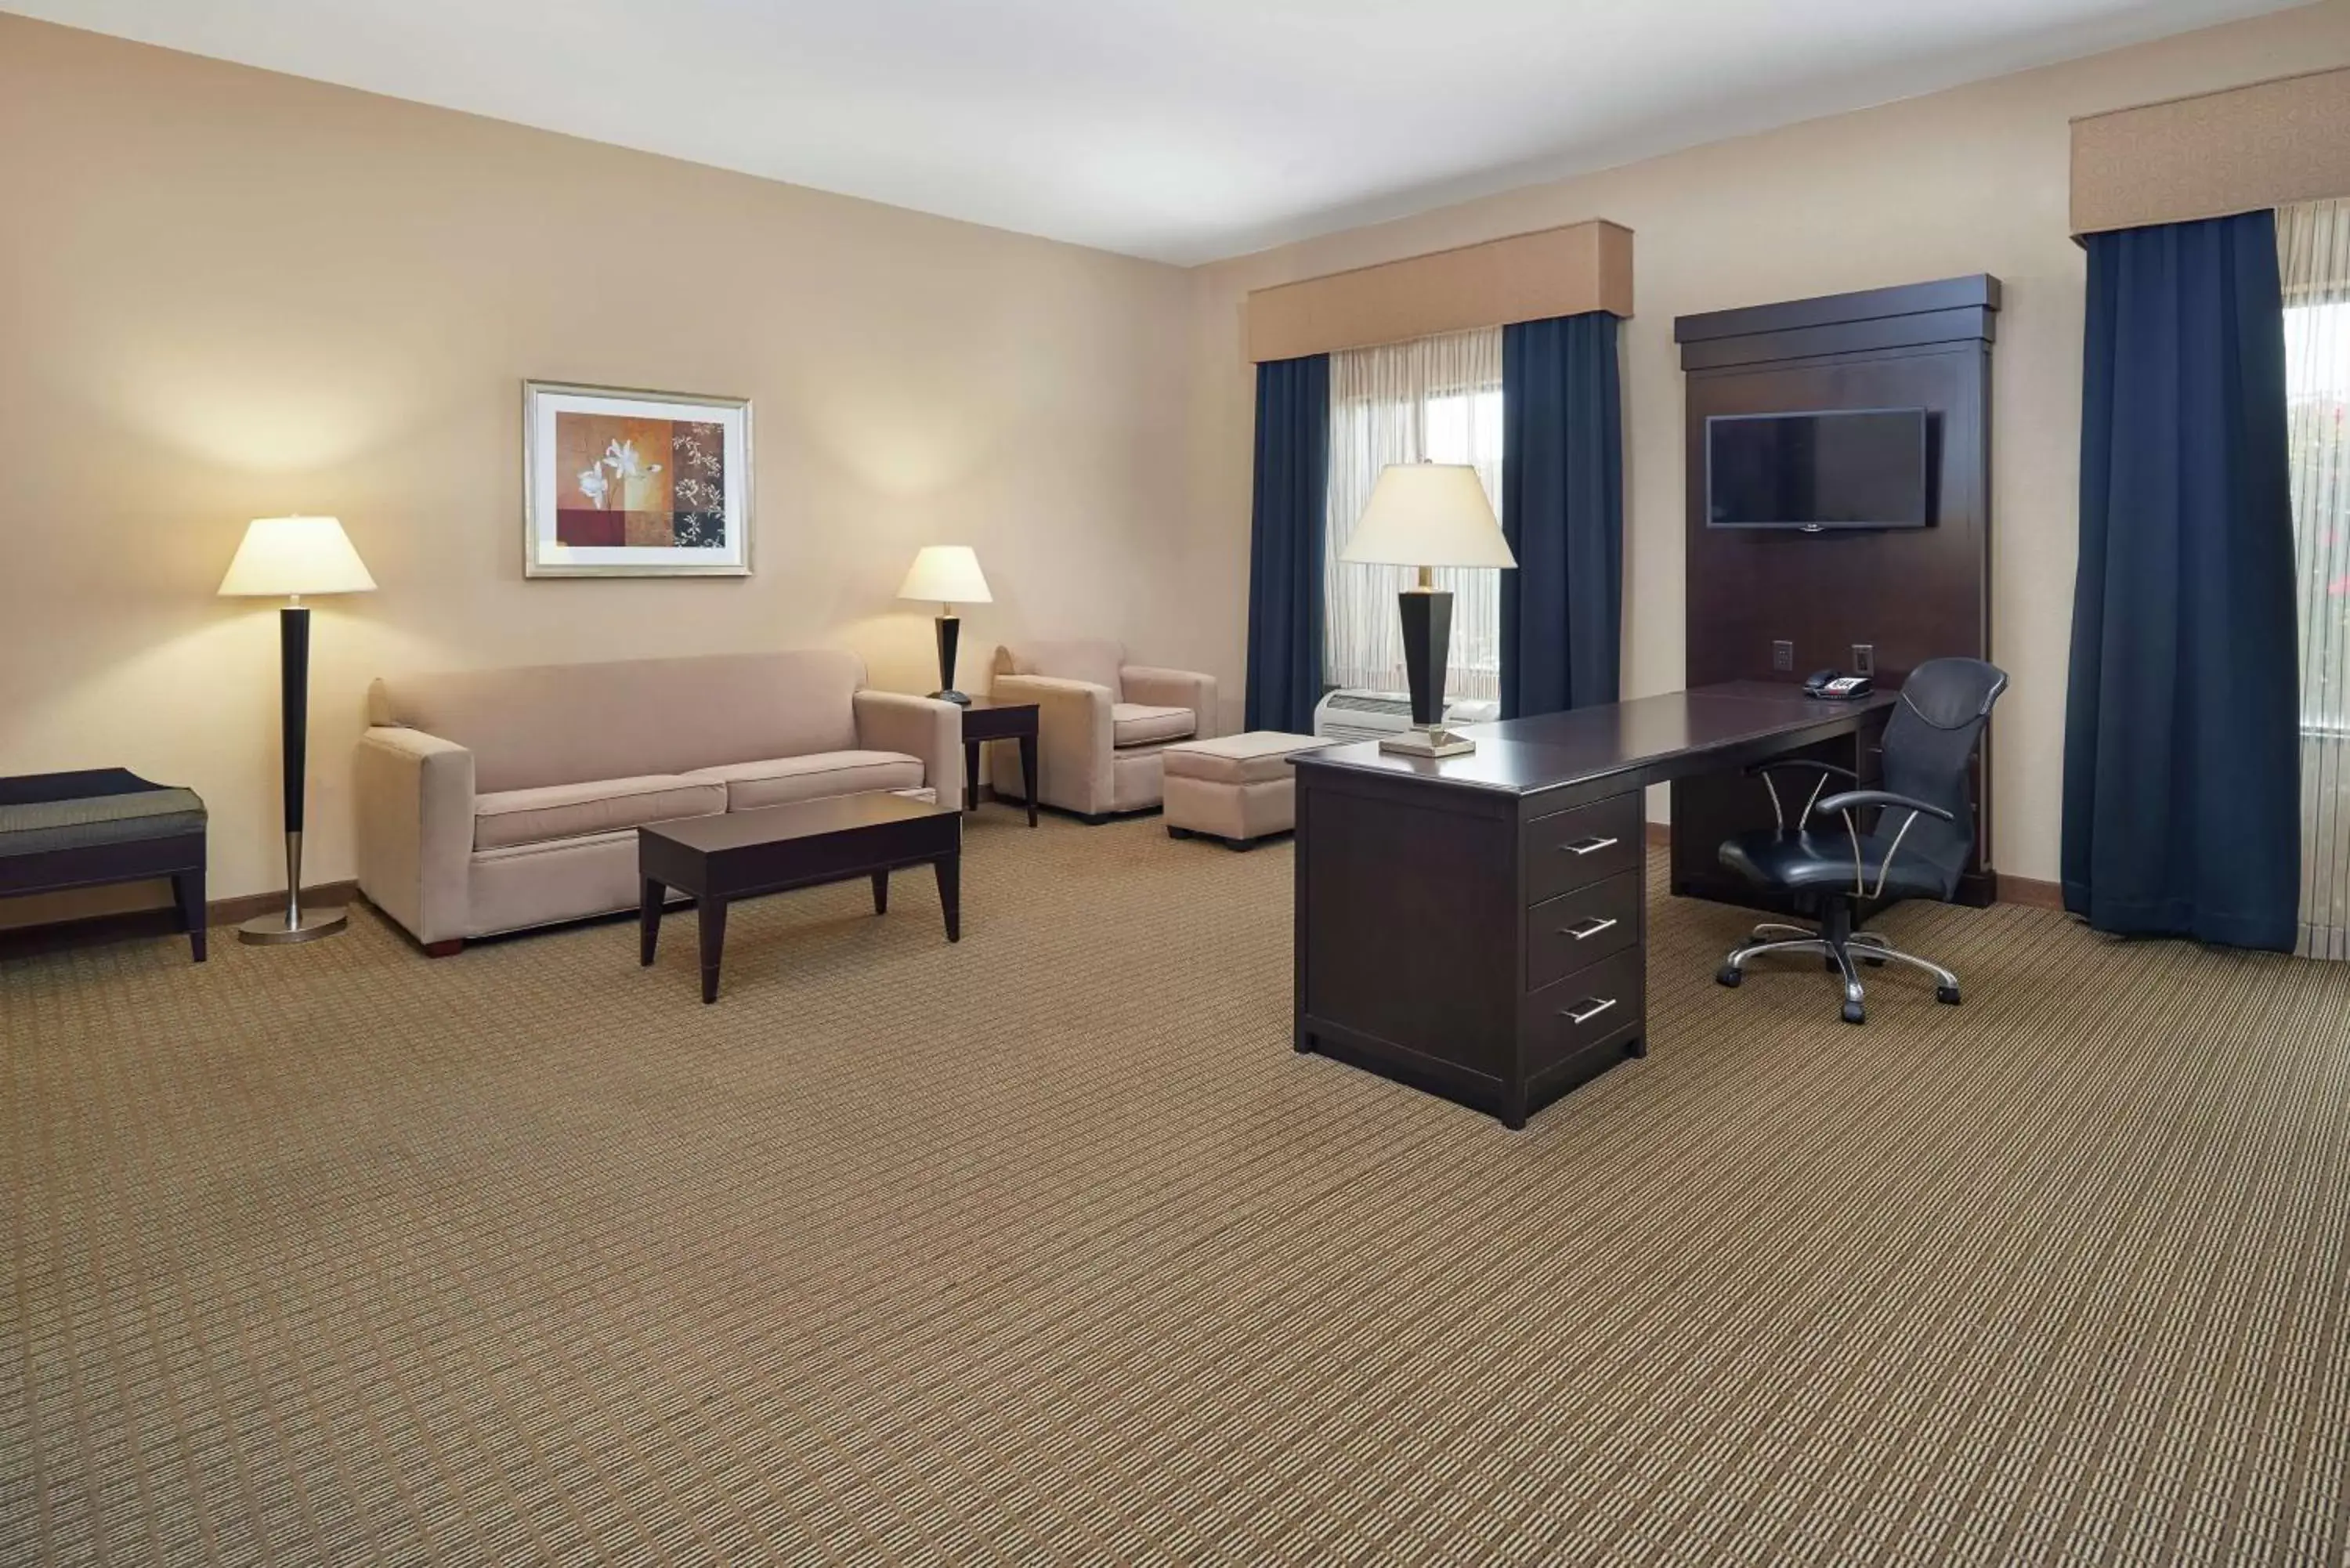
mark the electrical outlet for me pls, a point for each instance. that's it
(1782, 655)
(1864, 658)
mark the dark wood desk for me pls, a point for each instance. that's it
(985, 720)
(1476, 926)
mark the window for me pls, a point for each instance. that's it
(2314, 250)
(1437, 400)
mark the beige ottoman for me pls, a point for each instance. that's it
(1237, 788)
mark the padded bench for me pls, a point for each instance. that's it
(100, 826)
(1235, 788)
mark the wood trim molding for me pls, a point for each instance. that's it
(2010, 888)
(1525, 277)
(2265, 145)
(92, 930)
(2014, 889)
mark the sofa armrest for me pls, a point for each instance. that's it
(1074, 738)
(921, 727)
(1174, 688)
(413, 795)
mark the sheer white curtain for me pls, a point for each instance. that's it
(1437, 400)
(2314, 253)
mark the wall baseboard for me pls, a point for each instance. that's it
(2010, 888)
(95, 931)
(2014, 889)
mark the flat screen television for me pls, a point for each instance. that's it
(1841, 468)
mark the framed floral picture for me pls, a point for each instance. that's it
(624, 484)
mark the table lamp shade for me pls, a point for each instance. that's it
(947, 575)
(1429, 515)
(282, 556)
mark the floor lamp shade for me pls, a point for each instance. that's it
(287, 557)
(947, 576)
(1424, 515)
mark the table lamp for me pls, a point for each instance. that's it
(947, 576)
(1427, 514)
(288, 557)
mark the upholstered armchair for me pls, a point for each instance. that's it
(1101, 723)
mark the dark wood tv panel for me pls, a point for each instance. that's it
(1909, 593)
(1476, 926)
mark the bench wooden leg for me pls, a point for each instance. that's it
(188, 892)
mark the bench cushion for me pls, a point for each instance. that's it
(1256, 757)
(44, 811)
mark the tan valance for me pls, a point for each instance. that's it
(1526, 277)
(2264, 145)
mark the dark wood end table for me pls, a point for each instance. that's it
(743, 854)
(988, 719)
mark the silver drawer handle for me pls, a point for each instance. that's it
(1590, 1013)
(1589, 928)
(1588, 846)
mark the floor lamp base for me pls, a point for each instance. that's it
(270, 931)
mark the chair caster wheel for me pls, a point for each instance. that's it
(1947, 994)
(1872, 963)
(1855, 1013)
(1830, 965)
(1729, 974)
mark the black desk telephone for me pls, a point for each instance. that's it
(1835, 686)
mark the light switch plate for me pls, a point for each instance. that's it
(1782, 655)
(1864, 658)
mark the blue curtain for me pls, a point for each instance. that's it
(2181, 732)
(1563, 511)
(1286, 523)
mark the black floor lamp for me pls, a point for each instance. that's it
(287, 557)
(1427, 514)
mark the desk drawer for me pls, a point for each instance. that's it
(1571, 850)
(1579, 928)
(1571, 1016)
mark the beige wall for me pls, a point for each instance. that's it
(1973, 180)
(225, 294)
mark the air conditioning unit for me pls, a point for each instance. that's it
(1354, 715)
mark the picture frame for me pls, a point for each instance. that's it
(622, 482)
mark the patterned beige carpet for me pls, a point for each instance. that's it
(1046, 1249)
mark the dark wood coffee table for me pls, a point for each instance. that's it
(985, 720)
(742, 854)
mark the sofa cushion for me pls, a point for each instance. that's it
(1096, 662)
(1135, 724)
(568, 723)
(503, 819)
(819, 777)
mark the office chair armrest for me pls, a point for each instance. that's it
(1763, 770)
(1853, 800)
(1862, 799)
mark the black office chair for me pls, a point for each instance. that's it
(1918, 846)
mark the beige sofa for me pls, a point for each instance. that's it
(495, 800)
(1101, 722)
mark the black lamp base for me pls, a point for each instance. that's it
(950, 632)
(1427, 649)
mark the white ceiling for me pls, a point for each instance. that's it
(1178, 129)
